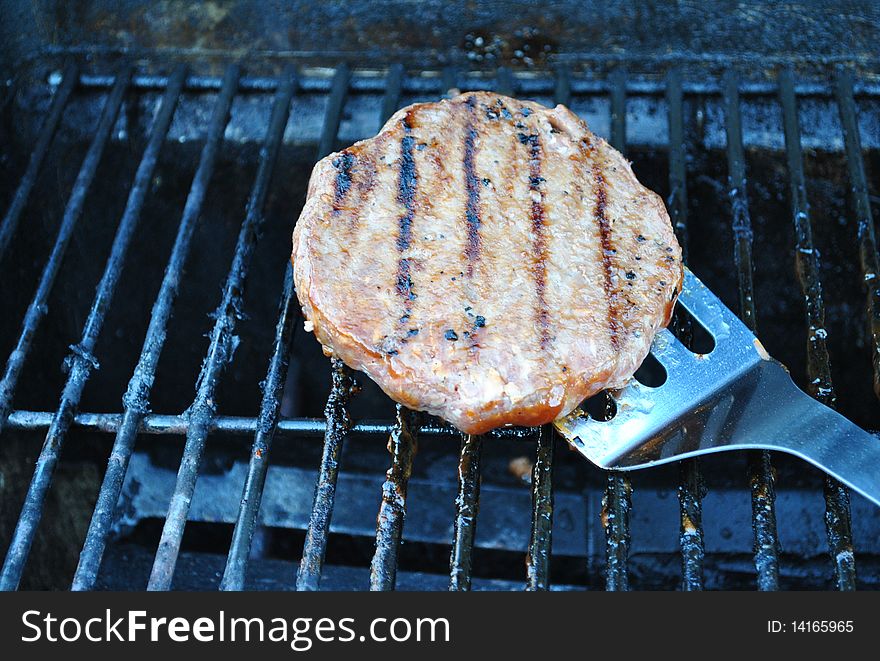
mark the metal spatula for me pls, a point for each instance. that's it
(735, 397)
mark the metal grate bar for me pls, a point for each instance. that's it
(38, 308)
(541, 535)
(333, 114)
(38, 155)
(691, 487)
(540, 539)
(759, 467)
(389, 524)
(504, 81)
(391, 100)
(267, 424)
(741, 220)
(136, 398)
(81, 360)
(338, 425)
(467, 506)
(392, 511)
(837, 511)
(338, 420)
(157, 423)
(617, 501)
(677, 201)
(562, 88)
(222, 346)
(448, 80)
(316, 81)
(861, 201)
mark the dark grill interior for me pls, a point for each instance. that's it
(144, 246)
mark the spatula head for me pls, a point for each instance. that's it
(657, 424)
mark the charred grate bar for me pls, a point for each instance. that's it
(38, 155)
(267, 426)
(221, 348)
(315, 80)
(759, 467)
(201, 419)
(82, 361)
(691, 489)
(837, 507)
(338, 425)
(137, 396)
(336, 411)
(617, 502)
(72, 212)
(467, 506)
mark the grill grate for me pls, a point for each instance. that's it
(201, 419)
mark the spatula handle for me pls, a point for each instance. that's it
(805, 428)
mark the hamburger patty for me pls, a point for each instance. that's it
(485, 259)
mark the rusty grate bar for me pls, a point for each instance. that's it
(72, 212)
(136, 398)
(38, 155)
(402, 445)
(222, 346)
(617, 501)
(691, 487)
(467, 506)
(838, 522)
(82, 360)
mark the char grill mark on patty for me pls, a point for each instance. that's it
(539, 234)
(343, 164)
(473, 220)
(607, 246)
(472, 207)
(406, 193)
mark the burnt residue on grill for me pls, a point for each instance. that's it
(526, 47)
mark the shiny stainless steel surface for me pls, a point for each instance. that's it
(733, 398)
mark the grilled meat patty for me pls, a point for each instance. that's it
(485, 259)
